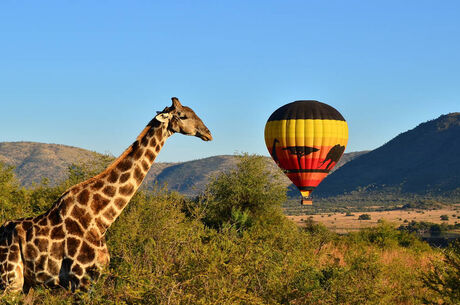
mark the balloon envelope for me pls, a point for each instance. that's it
(306, 139)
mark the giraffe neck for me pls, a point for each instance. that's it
(107, 194)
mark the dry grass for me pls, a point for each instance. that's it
(343, 224)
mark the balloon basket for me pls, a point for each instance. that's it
(306, 201)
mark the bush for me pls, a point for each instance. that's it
(444, 217)
(445, 277)
(165, 250)
(250, 188)
(364, 217)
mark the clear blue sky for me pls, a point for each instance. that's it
(91, 74)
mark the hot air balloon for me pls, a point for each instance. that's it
(306, 139)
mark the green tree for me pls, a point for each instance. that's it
(12, 195)
(364, 217)
(250, 189)
(445, 277)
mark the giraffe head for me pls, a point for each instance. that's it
(183, 119)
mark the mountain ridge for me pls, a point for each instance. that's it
(35, 161)
(422, 160)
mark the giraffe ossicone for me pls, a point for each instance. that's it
(66, 245)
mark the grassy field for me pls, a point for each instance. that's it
(341, 223)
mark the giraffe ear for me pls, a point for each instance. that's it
(163, 117)
(175, 103)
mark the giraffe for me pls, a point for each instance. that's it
(65, 246)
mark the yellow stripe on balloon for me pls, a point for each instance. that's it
(309, 128)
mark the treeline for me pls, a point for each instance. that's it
(428, 227)
(233, 245)
(365, 200)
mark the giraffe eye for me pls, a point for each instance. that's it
(182, 116)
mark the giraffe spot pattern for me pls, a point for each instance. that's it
(110, 214)
(145, 141)
(120, 203)
(31, 252)
(93, 237)
(13, 256)
(150, 155)
(57, 249)
(26, 225)
(97, 185)
(83, 197)
(54, 217)
(138, 175)
(73, 227)
(43, 221)
(29, 234)
(3, 254)
(98, 203)
(113, 176)
(138, 154)
(109, 190)
(57, 233)
(48, 246)
(40, 265)
(42, 277)
(125, 177)
(102, 226)
(86, 254)
(75, 190)
(145, 165)
(72, 246)
(81, 215)
(124, 165)
(127, 189)
(43, 232)
(53, 267)
(42, 244)
(77, 270)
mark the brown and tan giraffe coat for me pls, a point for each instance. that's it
(66, 245)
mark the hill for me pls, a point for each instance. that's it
(424, 160)
(36, 161)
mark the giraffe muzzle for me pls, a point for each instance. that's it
(204, 136)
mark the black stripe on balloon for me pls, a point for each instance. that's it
(295, 171)
(306, 188)
(303, 110)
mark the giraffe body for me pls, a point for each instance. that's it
(66, 245)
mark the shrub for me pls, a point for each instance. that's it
(444, 279)
(364, 217)
(444, 217)
(250, 188)
(163, 251)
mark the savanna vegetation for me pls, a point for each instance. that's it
(233, 245)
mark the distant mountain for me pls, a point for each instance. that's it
(36, 161)
(423, 160)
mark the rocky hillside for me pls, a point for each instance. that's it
(424, 160)
(36, 161)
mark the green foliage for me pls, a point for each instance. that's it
(426, 226)
(164, 250)
(384, 235)
(250, 188)
(444, 217)
(364, 217)
(444, 279)
(12, 197)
